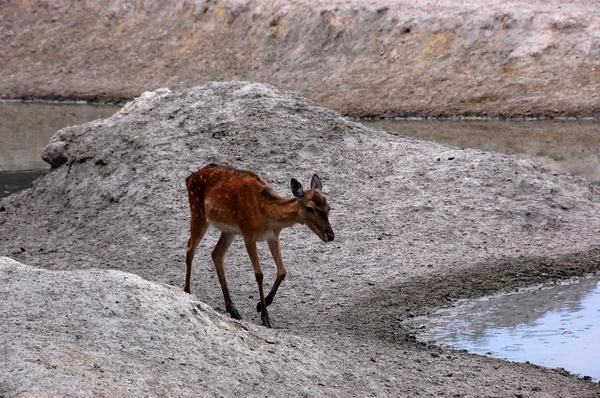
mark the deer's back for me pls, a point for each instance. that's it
(229, 197)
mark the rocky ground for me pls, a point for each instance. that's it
(381, 57)
(417, 225)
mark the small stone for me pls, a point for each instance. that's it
(55, 154)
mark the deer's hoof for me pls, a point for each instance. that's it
(233, 311)
(268, 301)
(266, 321)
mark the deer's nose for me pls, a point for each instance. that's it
(329, 235)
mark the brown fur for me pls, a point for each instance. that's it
(239, 202)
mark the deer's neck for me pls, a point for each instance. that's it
(284, 212)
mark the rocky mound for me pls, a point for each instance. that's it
(417, 223)
(109, 333)
(116, 193)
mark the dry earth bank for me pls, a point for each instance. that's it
(384, 57)
(417, 224)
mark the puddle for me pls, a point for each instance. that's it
(571, 146)
(556, 326)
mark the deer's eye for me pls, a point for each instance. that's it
(309, 209)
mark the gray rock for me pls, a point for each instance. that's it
(55, 154)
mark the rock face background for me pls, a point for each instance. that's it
(394, 58)
(417, 224)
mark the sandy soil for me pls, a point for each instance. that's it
(418, 224)
(383, 57)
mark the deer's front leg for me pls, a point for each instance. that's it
(251, 247)
(275, 248)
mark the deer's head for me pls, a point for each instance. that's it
(314, 208)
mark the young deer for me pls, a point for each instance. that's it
(239, 202)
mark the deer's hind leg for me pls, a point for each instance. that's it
(198, 227)
(258, 273)
(218, 255)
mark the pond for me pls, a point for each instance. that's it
(26, 128)
(571, 146)
(551, 325)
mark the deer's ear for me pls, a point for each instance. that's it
(315, 183)
(297, 190)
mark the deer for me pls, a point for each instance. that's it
(239, 202)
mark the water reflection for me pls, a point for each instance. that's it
(552, 326)
(25, 129)
(14, 181)
(572, 146)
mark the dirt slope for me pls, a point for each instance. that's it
(109, 333)
(384, 57)
(417, 224)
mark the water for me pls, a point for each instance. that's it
(555, 326)
(26, 128)
(571, 146)
(14, 181)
